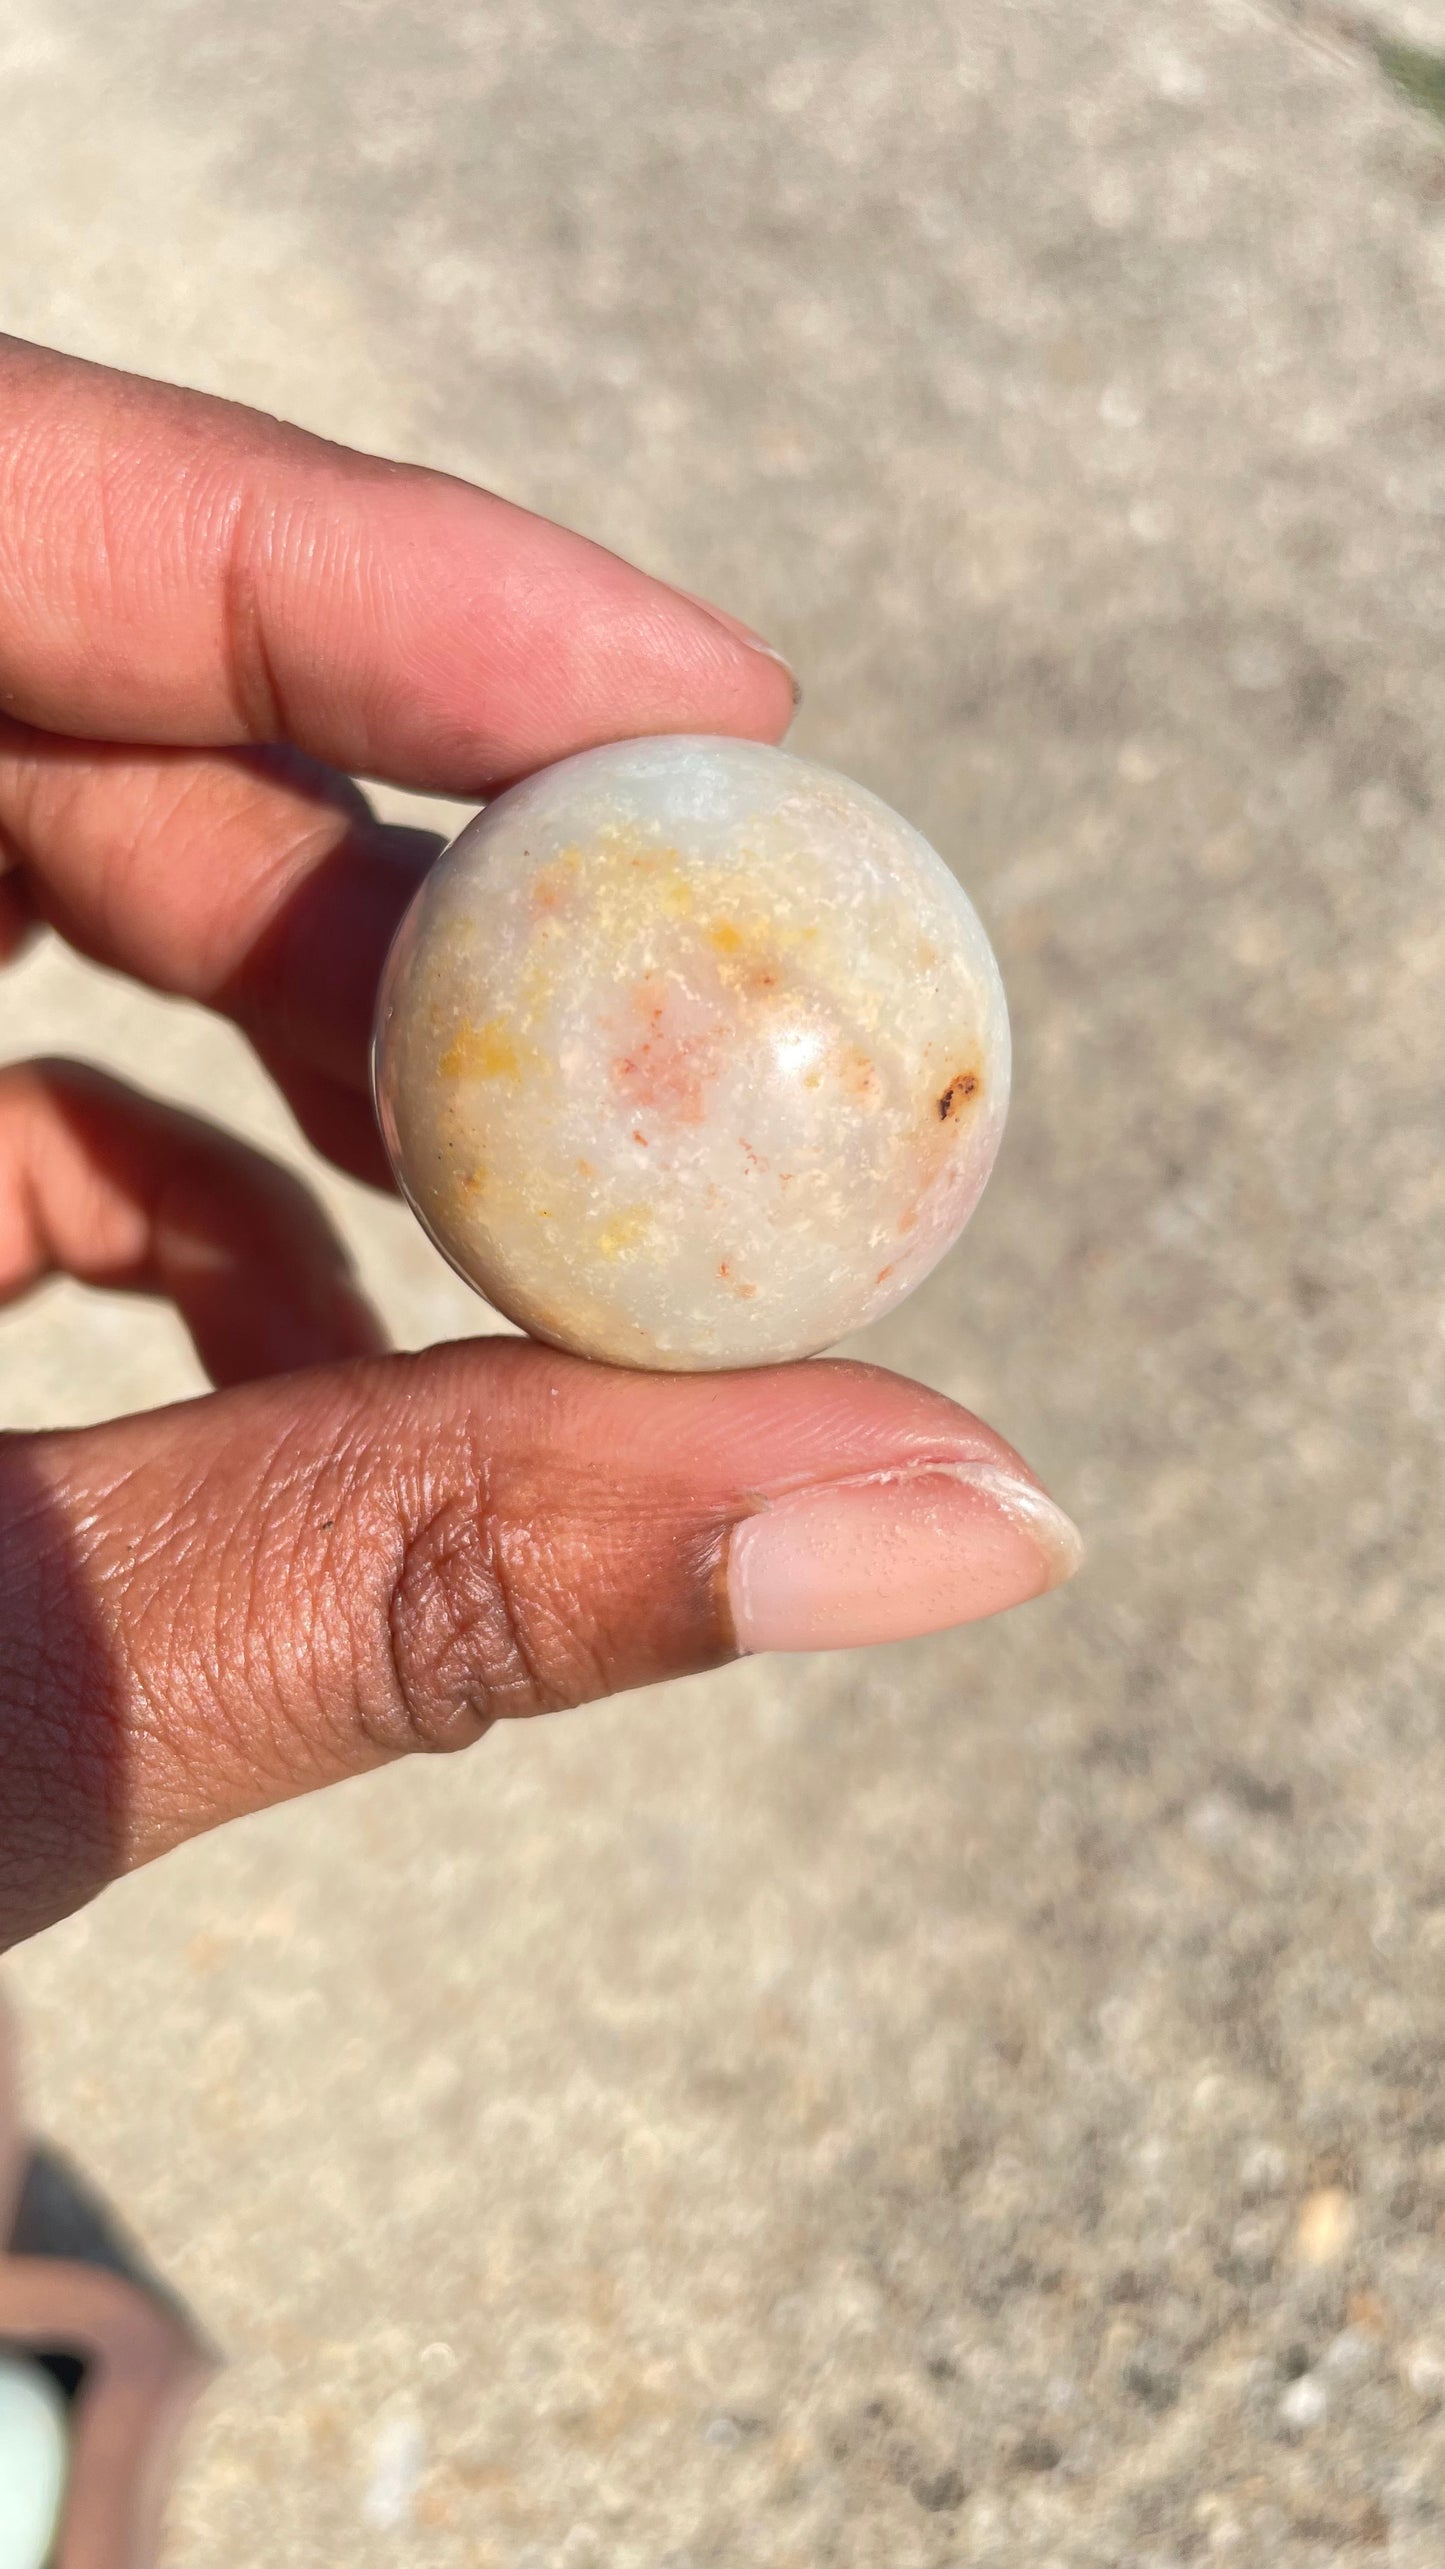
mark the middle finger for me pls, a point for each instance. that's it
(255, 881)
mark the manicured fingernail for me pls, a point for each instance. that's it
(744, 633)
(895, 1554)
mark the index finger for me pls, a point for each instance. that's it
(178, 569)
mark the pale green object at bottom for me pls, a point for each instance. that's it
(33, 2458)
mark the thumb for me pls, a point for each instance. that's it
(217, 1606)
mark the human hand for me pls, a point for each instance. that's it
(339, 1556)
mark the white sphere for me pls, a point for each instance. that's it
(691, 1054)
(34, 2460)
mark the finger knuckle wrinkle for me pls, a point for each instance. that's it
(253, 681)
(461, 1652)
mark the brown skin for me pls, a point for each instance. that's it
(339, 1556)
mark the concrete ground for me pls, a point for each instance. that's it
(981, 2102)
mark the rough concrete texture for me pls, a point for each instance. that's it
(984, 2102)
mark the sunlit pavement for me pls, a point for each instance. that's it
(978, 2103)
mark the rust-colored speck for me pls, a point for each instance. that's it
(857, 1073)
(883, 1275)
(668, 1066)
(963, 1085)
(640, 1137)
(744, 1292)
(553, 888)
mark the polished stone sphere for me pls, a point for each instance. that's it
(34, 2461)
(690, 1054)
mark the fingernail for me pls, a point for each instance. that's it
(895, 1554)
(744, 633)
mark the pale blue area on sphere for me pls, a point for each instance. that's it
(34, 2453)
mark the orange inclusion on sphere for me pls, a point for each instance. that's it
(482, 1052)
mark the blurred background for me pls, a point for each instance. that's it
(981, 2102)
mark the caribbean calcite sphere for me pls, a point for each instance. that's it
(691, 1054)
